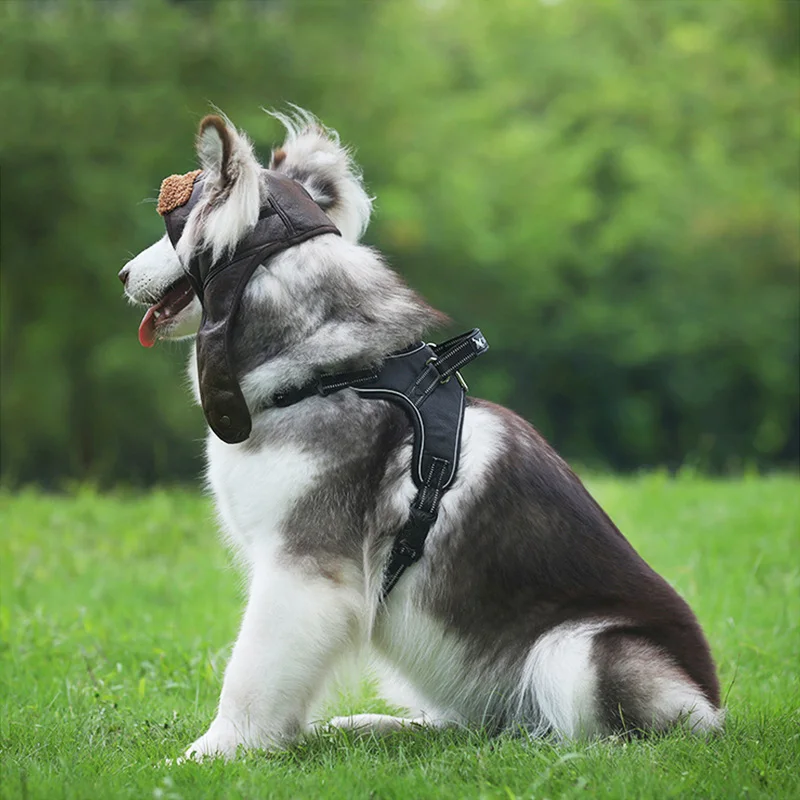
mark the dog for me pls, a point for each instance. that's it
(529, 611)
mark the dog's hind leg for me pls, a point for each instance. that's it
(558, 687)
(366, 724)
(295, 627)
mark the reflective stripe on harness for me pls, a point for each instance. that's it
(420, 380)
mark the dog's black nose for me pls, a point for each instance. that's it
(123, 275)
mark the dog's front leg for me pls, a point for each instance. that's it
(294, 627)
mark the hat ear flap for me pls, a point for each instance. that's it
(214, 146)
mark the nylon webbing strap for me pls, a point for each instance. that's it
(417, 379)
(455, 353)
(324, 385)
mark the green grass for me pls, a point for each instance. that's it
(117, 613)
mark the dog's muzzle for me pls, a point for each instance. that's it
(288, 217)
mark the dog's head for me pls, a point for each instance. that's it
(233, 190)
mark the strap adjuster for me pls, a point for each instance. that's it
(406, 551)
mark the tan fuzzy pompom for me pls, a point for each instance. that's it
(176, 191)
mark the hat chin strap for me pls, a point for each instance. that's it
(288, 218)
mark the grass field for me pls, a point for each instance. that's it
(117, 613)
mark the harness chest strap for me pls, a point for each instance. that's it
(419, 380)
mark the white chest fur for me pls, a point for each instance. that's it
(255, 490)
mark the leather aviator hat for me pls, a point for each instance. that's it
(288, 217)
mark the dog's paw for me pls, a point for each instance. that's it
(222, 740)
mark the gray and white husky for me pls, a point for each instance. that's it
(528, 611)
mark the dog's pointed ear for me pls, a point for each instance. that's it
(214, 145)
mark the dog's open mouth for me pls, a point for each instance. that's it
(175, 299)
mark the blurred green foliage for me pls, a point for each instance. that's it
(609, 188)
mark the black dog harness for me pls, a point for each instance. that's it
(418, 379)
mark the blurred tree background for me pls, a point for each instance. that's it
(609, 188)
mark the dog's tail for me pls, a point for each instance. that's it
(589, 679)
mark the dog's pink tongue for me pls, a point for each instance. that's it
(147, 328)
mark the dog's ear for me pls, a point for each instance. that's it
(214, 146)
(313, 156)
(231, 174)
